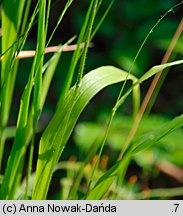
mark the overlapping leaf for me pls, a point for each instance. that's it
(104, 183)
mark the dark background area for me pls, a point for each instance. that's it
(117, 43)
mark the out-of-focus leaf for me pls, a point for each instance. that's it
(154, 136)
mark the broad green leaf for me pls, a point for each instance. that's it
(59, 129)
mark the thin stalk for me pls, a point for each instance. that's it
(73, 191)
(101, 150)
(68, 4)
(151, 89)
(160, 77)
(102, 19)
(118, 103)
(31, 53)
(140, 49)
(47, 15)
(90, 154)
(86, 44)
(76, 55)
(26, 13)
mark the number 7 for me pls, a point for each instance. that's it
(177, 205)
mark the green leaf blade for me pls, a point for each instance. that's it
(58, 131)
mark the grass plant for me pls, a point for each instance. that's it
(78, 89)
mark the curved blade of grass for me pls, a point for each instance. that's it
(151, 72)
(104, 183)
(154, 136)
(59, 129)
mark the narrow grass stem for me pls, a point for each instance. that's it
(102, 19)
(24, 23)
(76, 56)
(141, 47)
(154, 87)
(68, 4)
(86, 44)
(101, 149)
(151, 89)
